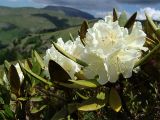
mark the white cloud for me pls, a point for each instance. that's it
(152, 12)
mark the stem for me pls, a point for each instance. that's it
(51, 94)
(23, 112)
(63, 52)
(146, 57)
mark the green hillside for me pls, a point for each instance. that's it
(18, 22)
(26, 28)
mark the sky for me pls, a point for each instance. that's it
(98, 8)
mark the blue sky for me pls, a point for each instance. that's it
(95, 7)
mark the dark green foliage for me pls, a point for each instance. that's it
(57, 73)
(14, 80)
(82, 32)
(115, 14)
(131, 21)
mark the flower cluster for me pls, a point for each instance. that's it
(109, 50)
(73, 48)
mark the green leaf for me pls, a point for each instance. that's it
(60, 115)
(80, 84)
(38, 77)
(36, 68)
(86, 83)
(13, 97)
(22, 99)
(65, 111)
(26, 64)
(122, 19)
(5, 94)
(29, 64)
(131, 21)
(151, 23)
(91, 107)
(76, 86)
(2, 116)
(37, 110)
(158, 33)
(82, 96)
(91, 104)
(154, 28)
(8, 112)
(1, 100)
(7, 64)
(82, 32)
(115, 100)
(21, 66)
(101, 96)
(14, 80)
(80, 75)
(115, 15)
(26, 77)
(39, 59)
(57, 73)
(37, 98)
(63, 52)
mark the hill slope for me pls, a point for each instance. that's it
(70, 12)
(17, 22)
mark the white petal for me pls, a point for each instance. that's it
(96, 67)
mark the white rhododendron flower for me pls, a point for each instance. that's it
(73, 48)
(95, 67)
(110, 50)
(116, 50)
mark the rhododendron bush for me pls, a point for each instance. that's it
(93, 72)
